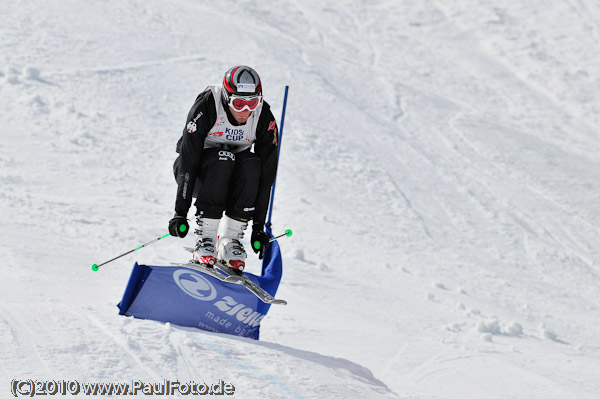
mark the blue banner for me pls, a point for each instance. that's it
(187, 297)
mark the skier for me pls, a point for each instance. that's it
(228, 161)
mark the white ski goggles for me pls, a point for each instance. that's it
(240, 104)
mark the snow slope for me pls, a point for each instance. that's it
(439, 168)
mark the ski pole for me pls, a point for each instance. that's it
(279, 138)
(96, 266)
(288, 233)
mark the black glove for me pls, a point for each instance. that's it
(260, 240)
(178, 226)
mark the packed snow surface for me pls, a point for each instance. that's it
(440, 170)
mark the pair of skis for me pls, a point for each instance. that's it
(233, 276)
(221, 271)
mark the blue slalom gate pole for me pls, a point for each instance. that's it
(280, 135)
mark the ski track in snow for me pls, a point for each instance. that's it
(453, 147)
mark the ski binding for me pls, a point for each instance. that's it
(211, 271)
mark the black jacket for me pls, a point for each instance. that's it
(191, 146)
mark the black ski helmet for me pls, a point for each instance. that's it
(241, 81)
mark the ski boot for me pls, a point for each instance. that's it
(231, 251)
(206, 238)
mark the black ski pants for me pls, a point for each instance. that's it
(226, 182)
